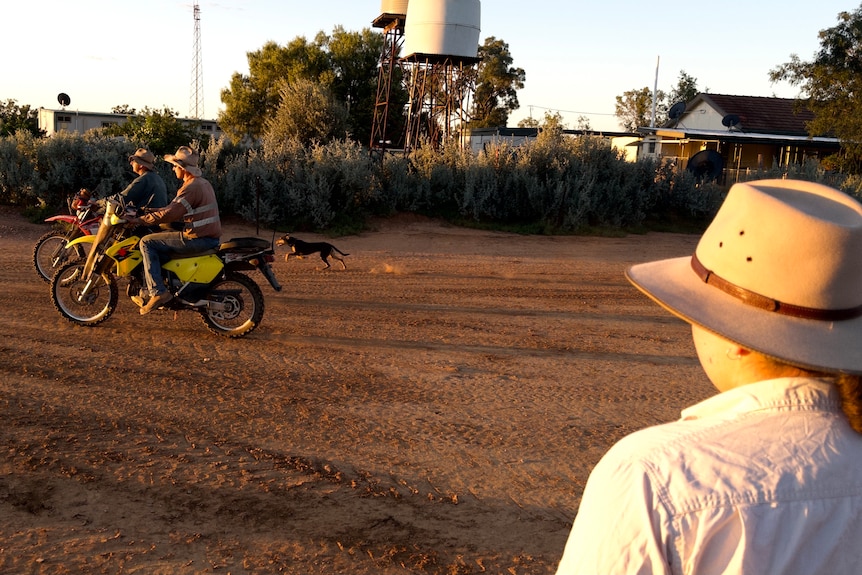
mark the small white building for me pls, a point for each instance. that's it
(478, 138)
(75, 121)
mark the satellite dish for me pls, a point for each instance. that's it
(730, 120)
(64, 99)
(706, 165)
(676, 111)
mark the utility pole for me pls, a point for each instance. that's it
(654, 93)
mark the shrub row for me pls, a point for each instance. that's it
(555, 184)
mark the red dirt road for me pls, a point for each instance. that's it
(435, 408)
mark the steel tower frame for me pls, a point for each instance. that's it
(440, 89)
(196, 99)
(393, 39)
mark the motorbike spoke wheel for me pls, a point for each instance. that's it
(50, 254)
(237, 306)
(91, 309)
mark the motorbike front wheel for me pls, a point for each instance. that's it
(100, 301)
(236, 306)
(50, 254)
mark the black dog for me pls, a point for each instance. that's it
(299, 248)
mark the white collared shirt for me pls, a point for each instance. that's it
(762, 479)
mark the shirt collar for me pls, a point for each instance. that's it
(769, 394)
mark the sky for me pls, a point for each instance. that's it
(577, 56)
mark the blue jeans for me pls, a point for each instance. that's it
(162, 246)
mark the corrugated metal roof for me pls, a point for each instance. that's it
(741, 137)
(762, 115)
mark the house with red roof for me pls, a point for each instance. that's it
(721, 136)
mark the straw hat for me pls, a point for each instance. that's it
(779, 271)
(187, 159)
(143, 157)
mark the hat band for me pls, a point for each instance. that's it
(765, 303)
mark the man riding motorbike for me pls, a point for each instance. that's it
(196, 205)
(148, 190)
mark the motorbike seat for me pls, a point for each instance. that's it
(244, 245)
(185, 255)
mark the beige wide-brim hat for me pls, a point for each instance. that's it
(187, 159)
(778, 271)
(143, 157)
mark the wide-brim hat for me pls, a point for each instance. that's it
(143, 157)
(187, 159)
(778, 271)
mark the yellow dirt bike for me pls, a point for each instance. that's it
(211, 283)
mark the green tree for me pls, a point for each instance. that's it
(14, 118)
(583, 123)
(354, 57)
(529, 122)
(160, 130)
(831, 86)
(497, 85)
(634, 108)
(124, 109)
(684, 91)
(344, 63)
(308, 112)
(251, 99)
(553, 121)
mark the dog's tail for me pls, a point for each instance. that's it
(339, 251)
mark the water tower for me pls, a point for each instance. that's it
(441, 43)
(393, 14)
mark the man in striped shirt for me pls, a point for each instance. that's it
(196, 205)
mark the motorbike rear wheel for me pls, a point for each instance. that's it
(50, 253)
(92, 309)
(238, 306)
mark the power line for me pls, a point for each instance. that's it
(531, 106)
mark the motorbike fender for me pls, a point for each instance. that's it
(63, 218)
(199, 269)
(81, 240)
(125, 254)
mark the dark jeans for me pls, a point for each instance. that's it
(160, 246)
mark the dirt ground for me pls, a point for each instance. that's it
(435, 408)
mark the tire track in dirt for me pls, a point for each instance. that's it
(182, 480)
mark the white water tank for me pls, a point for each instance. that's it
(393, 7)
(442, 27)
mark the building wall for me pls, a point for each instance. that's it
(478, 142)
(53, 121)
(480, 139)
(701, 117)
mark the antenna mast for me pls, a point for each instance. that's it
(196, 100)
(654, 93)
